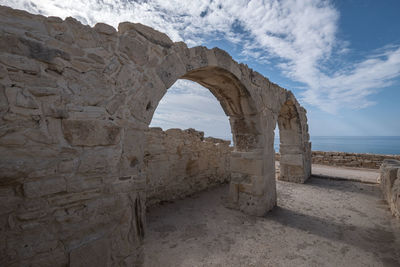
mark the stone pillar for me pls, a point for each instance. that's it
(295, 164)
(248, 183)
(295, 148)
(390, 184)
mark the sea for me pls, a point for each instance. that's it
(387, 145)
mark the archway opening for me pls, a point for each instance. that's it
(188, 144)
(241, 164)
(188, 104)
(236, 102)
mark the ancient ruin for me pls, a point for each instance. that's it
(75, 105)
(182, 162)
(390, 184)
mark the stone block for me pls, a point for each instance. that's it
(112, 66)
(43, 91)
(246, 165)
(71, 198)
(290, 149)
(88, 113)
(91, 132)
(390, 184)
(114, 103)
(292, 159)
(32, 242)
(83, 35)
(78, 183)
(171, 69)
(94, 253)
(104, 28)
(56, 257)
(43, 53)
(67, 166)
(44, 187)
(99, 161)
(30, 215)
(395, 197)
(25, 100)
(9, 203)
(20, 63)
(149, 33)
(289, 137)
(134, 48)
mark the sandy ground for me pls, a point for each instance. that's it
(354, 174)
(321, 223)
(343, 173)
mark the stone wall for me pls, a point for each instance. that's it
(182, 162)
(357, 160)
(390, 184)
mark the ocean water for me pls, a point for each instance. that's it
(389, 145)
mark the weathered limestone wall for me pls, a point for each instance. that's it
(390, 184)
(182, 162)
(72, 190)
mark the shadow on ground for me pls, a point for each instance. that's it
(342, 185)
(320, 223)
(374, 240)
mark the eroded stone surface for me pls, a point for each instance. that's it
(180, 163)
(75, 103)
(91, 132)
(390, 184)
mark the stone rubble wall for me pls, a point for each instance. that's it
(182, 162)
(72, 189)
(357, 160)
(390, 184)
(345, 159)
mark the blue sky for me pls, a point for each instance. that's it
(341, 58)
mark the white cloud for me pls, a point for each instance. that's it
(352, 86)
(299, 36)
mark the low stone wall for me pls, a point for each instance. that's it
(370, 161)
(182, 162)
(390, 184)
(357, 160)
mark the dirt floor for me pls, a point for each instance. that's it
(320, 223)
(354, 174)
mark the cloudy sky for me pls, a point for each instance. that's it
(341, 58)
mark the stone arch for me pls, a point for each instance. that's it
(75, 102)
(235, 100)
(252, 104)
(252, 187)
(295, 148)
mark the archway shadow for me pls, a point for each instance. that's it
(370, 239)
(344, 185)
